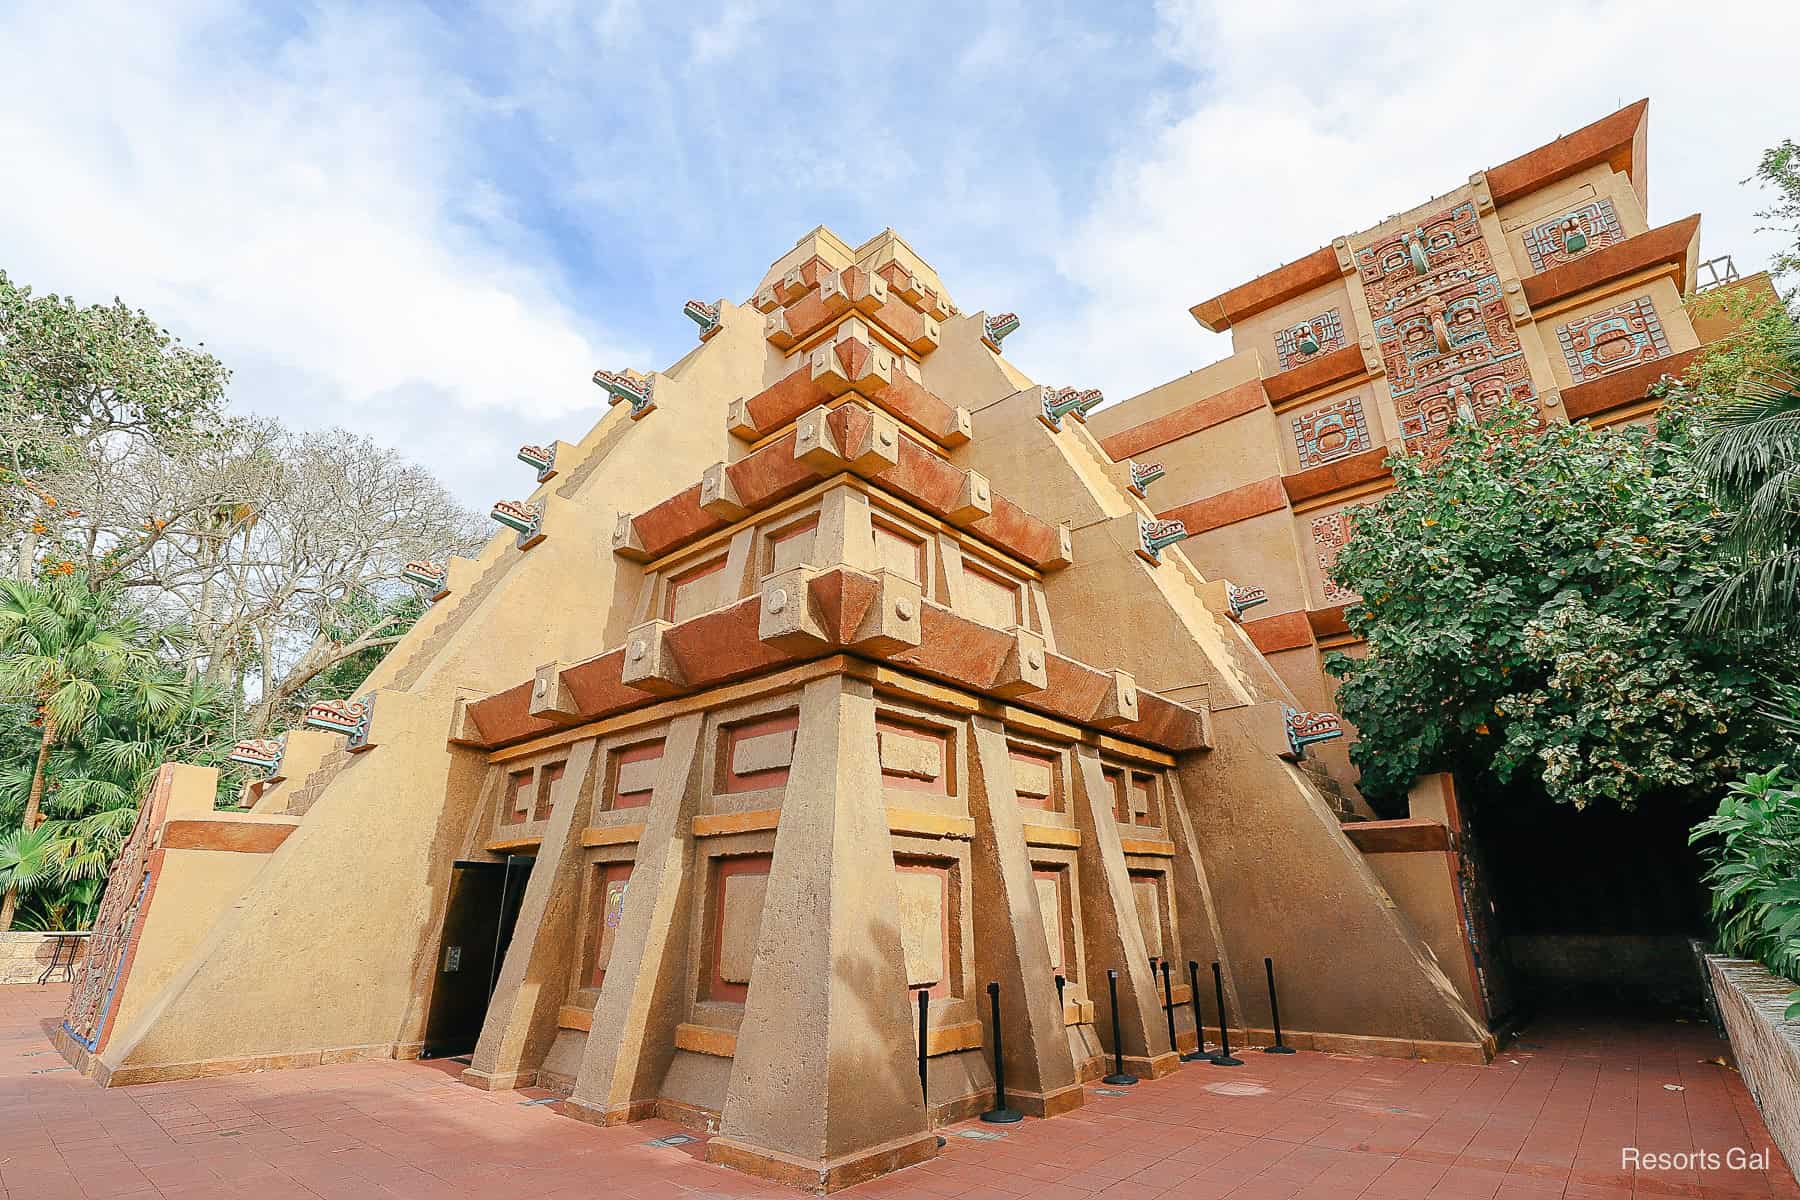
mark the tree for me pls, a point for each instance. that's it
(62, 647)
(1780, 169)
(1525, 602)
(1749, 452)
(73, 379)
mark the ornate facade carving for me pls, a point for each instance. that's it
(1581, 230)
(1142, 476)
(1069, 402)
(705, 315)
(1309, 728)
(1315, 335)
(258, 752)
(541, 459)
(524, 517)
(1330, 432)
(1238, 599)
(1330, 533)
(348, 717)
(996, 328)
(433, 577)
(1156, 536)
(1611, 340)
(629, 387)
(1440, 320)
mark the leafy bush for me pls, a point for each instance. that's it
(1755, 873)
(1526, 598)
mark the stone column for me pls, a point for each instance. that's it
(521, 1016)
(633, 1032)
(1110, 928)
(1010, 944)
(824, 1087)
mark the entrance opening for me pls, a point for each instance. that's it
(1593, 909)
(478, 926)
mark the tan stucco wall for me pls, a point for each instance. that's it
(1423, 884)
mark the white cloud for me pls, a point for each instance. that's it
(722, 34)
(302, 198)
(383, 217)
(1308, 121)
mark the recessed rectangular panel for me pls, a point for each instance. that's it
(924, 915)
(610, 888)
(634, 774)
(989, 598)
(759, 753)
(696, 590)
(1144, 809)
(740, 885)
(546, 790)
(898, 551)
(1034, 777)
(913, 757)
(1115, 783)
(791, 546)
(1049, 895)
(516, 806)
(1147, 891)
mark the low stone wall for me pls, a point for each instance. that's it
(1767, 1049)
(23, 956)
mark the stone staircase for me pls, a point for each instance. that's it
(1331, 789)
(308, 792)
(421, 657)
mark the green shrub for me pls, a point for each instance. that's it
(1755, 873)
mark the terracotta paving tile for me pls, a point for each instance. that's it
(1547, 1119)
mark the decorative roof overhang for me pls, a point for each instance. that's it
(1675, 244)
(854, 439)
(1617, 140)
(806, 614)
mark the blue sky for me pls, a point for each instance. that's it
(431, 222)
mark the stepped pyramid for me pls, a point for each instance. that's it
(836, 666)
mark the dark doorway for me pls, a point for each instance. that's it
(1594, 908)
(478, 926)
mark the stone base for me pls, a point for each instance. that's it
(1766, 1047)
(829, 1175)
(1474, 1054)
(688, 1116)
(1154, 1067)
(1047, 1104)
(499, 1081)
(128, 1075)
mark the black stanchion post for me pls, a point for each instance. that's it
(1169, 1005)
(999, 1114)
(1118, 1078)
(925, 1091)
(1199, 1025)
(1274, 1011)
(1223, 1057)
(924, 1006)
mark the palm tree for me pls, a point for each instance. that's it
(62, 649)
(30, 859)
(1750, 453)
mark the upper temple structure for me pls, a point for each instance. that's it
(841, 674)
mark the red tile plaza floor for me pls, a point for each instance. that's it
(1547, 1119)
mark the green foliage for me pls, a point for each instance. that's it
(62, 646)
(1525, 607)
(1755, 873)
(1780, 169)
(1749, 452)
(81, 372)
